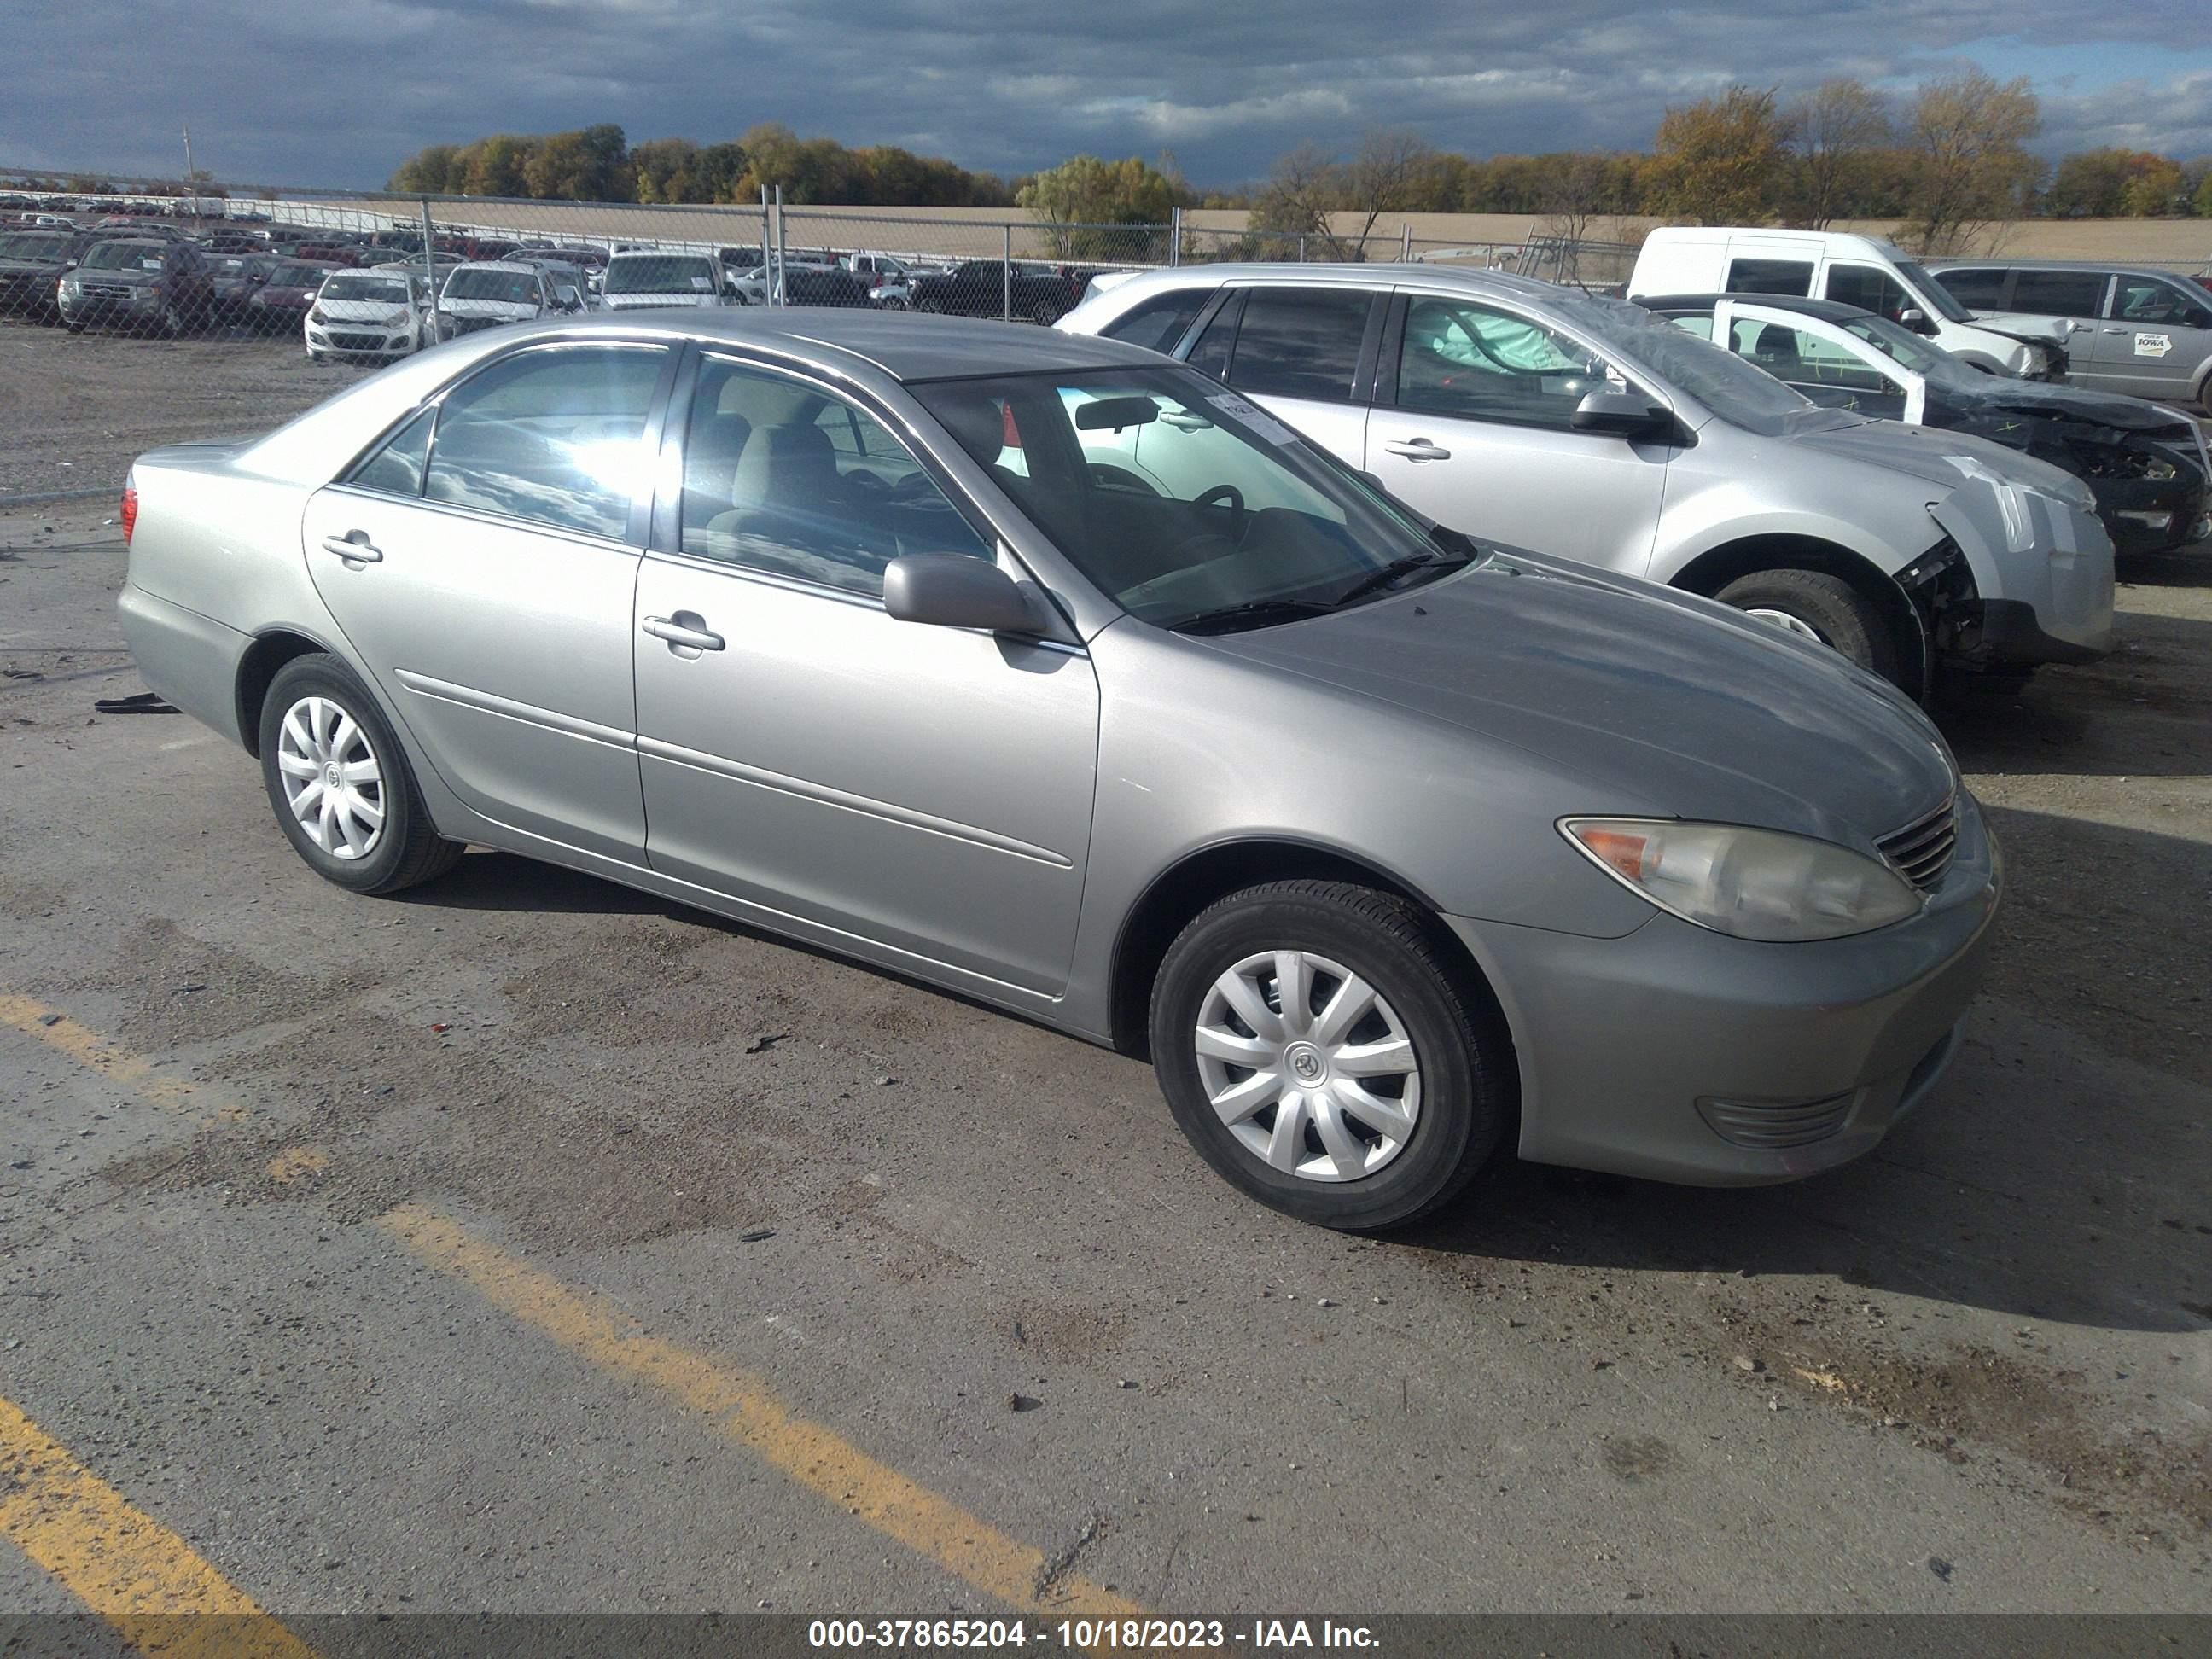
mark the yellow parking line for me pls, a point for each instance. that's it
(126, 1566)
(91, 1050)
(744, 1408)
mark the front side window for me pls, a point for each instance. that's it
(1869, 288)
(557, 437)
(2059, 293)
(1186, 503)
(781, 476)
(1159, 324)
(1467, 360)
(1791, 277)
(1800, 358)
(1300, 342)
(2145, 299)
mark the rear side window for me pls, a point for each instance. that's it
(1981, 289)
(557, 437)
(1159, 324)
(1869, 288)
(2059, 292)
(1300, 343)
(1791, 277)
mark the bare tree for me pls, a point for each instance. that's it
(1382, 178)
(1576, 190)
(1834, 127)
(1974, 171)
(1295, 203)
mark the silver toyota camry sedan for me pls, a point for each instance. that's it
(1054, 673)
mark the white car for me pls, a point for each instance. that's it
(381, 314)
(636, 281)
(486, 294)
(1857, 271)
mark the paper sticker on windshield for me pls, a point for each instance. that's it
(1264, 425)
(703, 283)
(2154, 345)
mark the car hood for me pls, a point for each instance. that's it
(634, 302)
(2015, 328)
(133, 276)
(1672, 706)
(1992, 395)
(518, 309)
(1927, 453)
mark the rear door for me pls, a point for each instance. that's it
(2156, 338)
(1302, 352)
(481, 563)
(1472, 424)
(2076, 300)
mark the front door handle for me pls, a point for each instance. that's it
(680, 635)
(354, 552)
(1419, 449)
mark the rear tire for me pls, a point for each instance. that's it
(1816, 605)
(320, 727)
(1424, 1051)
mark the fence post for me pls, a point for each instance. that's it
(1006, 274)
(1175, 236)
(781, 298)
(430, 265)
(768, 273)
(1301, 247)
(1406, 248)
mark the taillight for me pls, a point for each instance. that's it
(130, 507)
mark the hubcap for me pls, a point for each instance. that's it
(333, 782)
(1310, 1069)
(1787, 623)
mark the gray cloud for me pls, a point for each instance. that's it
(340, 96)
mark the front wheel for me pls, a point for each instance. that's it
(1319, 1052)
(340, 783)
(1825, 609)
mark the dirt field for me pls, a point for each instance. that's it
(525, 1243)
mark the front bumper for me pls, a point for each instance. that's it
(1677, 1054)
(140, 307)
(364, 340)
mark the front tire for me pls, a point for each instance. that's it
(1826, 609)
(1318, 1050)
(340, 784)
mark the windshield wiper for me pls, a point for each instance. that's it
(1376, 580)
(1254, 613)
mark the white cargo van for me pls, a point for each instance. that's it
(1856, 270)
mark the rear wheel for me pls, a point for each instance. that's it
(340, 783)
(1826, 609)
(1318, 1051)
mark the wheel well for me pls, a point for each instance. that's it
(1181, 892)
(1715, 568)
(267, 654)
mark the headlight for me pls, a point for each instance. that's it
(1749, 883)
(70, 285)
(315, 316)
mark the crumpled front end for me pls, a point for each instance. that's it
(2153, 487)
(2041, 564)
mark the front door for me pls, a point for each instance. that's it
(1833, 367)
(2156, 340)
(1478, 433)
(481, 563)
(923, 791)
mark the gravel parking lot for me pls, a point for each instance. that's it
(525, 1243)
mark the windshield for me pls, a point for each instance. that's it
(1738, 392)
(661, 274)
(1180, 498)
(383, 290)
(34, 244)
(1931, 293)
(123, 256)
(297, 276)
(1902, 345)
(513, 288)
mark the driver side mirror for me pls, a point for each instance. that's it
(1914, 318)
(1621, 414)
(956, 590)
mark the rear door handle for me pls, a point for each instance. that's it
(677, 633)
(1419, 449)
(354, 552)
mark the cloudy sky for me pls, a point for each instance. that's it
(308, 94)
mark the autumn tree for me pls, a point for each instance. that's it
(1970, 135)
(431, 171)
(1836, 130)
(1085, 192)
(496, 166)
(1718, 162)
(1382, 178)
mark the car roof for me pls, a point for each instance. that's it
(2000, 262)
(1374, 274)
(907, 346)
(1831, 311)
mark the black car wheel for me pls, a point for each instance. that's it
(1823, 608)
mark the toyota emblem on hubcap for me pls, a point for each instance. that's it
(1306, 1062)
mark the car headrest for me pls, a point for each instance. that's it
(784, 466)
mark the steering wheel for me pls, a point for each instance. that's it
(1238, 518)
(917, 488)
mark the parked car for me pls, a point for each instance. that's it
(33, 264)
(2148, 466)
(237, 277)
(1859, 270)
(571, 288)
(2131, 330)
(1548, 791)
(638, 280)
(369, 315)
(494, 294)
(142, 286)
(989, 287)
(280, 304)
(1506, 407)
